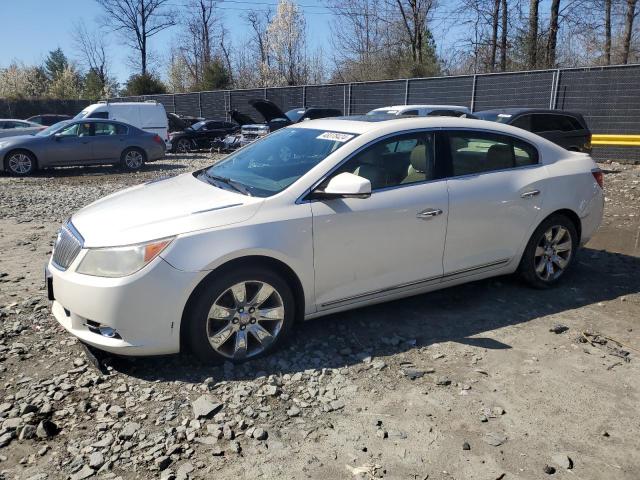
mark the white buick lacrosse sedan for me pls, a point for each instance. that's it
(320, 217)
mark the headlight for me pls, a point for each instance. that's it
(121, 261)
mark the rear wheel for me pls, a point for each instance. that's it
(20, 163)
(183, 146)
(242, 315)
(132, 159)
(550, 252)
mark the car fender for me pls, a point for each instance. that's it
(288, 241)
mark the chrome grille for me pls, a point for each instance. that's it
(67, 246)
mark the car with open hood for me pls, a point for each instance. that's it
(317, 218)
(274, 118)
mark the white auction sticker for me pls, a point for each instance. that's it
(335, 136)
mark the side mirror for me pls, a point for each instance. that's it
(345, 185)
(57, 136)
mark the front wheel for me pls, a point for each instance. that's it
(550, 252)
(20, 163)
(132, 159)
(241, 315)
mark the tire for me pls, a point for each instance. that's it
(213, 339)
(132, 159)
(550, 252)
(20, 163)
(183, 145)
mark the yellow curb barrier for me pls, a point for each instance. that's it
(615, 140)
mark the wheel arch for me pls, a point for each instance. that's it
(272, 263)
(571, 215)
(20, 149)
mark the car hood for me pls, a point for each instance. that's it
(241, 118)
(19, 137)
(269, 110)
(159, 209)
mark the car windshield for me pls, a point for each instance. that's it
(493, 116)
(197, 126)
(270, 165)
(52, 129)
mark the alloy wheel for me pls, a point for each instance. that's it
(184, 146)
(133, 159)
(20, 163)
(553, 253)
(245, 319)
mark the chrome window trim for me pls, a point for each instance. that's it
(301, 199)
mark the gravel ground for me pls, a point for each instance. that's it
(490, 380)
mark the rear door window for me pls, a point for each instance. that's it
(104, 129)
(479, 152)
(546, 122)
(523, 122)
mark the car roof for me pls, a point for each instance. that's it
(391, 124)
(433, 107)
(14, 120)
(519, 110)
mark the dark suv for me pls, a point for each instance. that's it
(567, 129)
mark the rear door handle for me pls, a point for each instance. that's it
(429, 213)
(530, 194)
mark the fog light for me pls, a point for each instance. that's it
(108, 332)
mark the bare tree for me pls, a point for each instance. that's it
(137, 21)
(494, 33)
(607, 32)
(92, 50)
(503, 36)
(532, 38)
(629, 17)
(358, 36)
(414, 18)
(552, 38)
(197, 38)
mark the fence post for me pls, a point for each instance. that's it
(473, 93)
(200, 103)
(554, 98)
(304, 96)
(406, 92)
(349, 100)
(173, 97)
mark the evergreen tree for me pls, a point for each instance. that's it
(55, 64)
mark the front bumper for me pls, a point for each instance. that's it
(145, 309)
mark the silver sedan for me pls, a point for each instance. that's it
(80, 142)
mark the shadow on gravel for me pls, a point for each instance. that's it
(459, 314)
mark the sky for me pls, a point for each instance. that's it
(31, 28)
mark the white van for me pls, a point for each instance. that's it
(149, 116)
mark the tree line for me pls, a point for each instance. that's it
(369, 40)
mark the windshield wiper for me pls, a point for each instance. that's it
(232, 183)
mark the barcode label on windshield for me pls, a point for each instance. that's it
(335, 136)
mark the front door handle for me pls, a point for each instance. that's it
(429, 213)
(530, 194)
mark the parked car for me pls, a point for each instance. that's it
(319, 217)
(178, 123)
(48, 119)
(567, 129)
(423, 111)
(149, 116)
(200, 135)
(81, 142)
(275, 118)
(10, 127)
